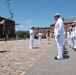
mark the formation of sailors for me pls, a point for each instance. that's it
(59, 33)
(71, 34)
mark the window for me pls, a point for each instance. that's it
(47, 30)
(41, 30)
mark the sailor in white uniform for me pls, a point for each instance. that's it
(31, 37)
(74, 35)
(64, 38)
(40, 37)
(68, 36)
(59, 35)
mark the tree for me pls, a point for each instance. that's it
(22, 34)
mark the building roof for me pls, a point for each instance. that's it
(1, 18)
(42, 28)
(67, 20)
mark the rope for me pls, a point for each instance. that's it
(7, 5)
(9, 8)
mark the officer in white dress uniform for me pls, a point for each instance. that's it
(59, 35)
(40, 37)
(31, 38)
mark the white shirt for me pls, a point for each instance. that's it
(31, 34)
(74, 31)
(65, 34)
(59, 27)
(40, 34)
(68, 34)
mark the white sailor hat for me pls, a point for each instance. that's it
(57, 14)
(32, 27)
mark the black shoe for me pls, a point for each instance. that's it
(56, 58)
(74, 49)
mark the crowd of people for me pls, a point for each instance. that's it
(60, 34)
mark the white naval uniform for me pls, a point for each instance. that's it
(59, 30)
(74, 32)
(68, 36)
(31, 39)
(64, 38)
(40, 37)
(72, 38)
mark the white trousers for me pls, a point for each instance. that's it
(64, 41)
(31, 43)
(59, 42)
(72, 42)
(40, 39)
(69, 41)
(75, 43)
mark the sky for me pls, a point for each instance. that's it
(37, 13)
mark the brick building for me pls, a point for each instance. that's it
(67, 24)
(43, 30)
(9, 26)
